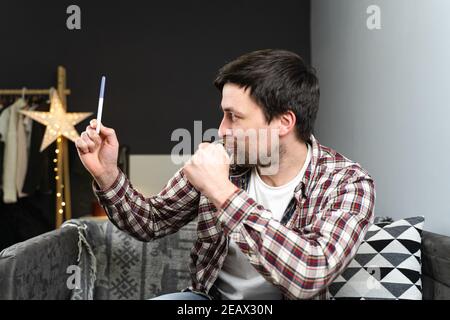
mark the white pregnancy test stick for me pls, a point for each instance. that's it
(100, 104)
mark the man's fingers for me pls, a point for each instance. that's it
(93, 124)
(203, 145)
(208, 153)
(90, 144)
(103, 129)
(107, 133)
(93, 135)
(81, 146)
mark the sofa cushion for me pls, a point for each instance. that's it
(387, 264)
(128, 269)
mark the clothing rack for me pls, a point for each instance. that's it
(28, 92)
(63, 198)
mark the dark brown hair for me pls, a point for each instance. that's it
(279, 81)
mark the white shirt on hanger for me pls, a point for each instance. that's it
(10, 154)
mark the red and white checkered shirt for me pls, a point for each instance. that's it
(302, 254)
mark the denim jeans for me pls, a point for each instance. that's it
(181, 296)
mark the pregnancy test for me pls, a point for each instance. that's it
(100, 104)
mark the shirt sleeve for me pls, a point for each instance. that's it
(302, 262)
(152, 217)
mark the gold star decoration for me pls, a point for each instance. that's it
(58, 122)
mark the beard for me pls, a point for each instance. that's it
(245, 157)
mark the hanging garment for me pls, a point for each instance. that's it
(39, 175)
(24, 130)
(10, 154)
(4, 118)
(28, 124)
(22, 155)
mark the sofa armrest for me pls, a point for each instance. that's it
(435, 266)
(36, 268)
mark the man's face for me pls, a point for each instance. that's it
(245, 129)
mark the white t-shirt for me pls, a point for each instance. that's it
(238, 279)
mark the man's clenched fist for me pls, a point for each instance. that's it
(208, 171)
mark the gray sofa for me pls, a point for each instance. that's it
(112, 265)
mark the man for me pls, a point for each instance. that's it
(283, 235)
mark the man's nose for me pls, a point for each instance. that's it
(223, 128)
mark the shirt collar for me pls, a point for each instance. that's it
(303, 189)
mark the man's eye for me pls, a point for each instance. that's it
(233, 117)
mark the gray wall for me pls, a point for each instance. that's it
(385, 99)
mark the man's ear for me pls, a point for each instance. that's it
(287, 122)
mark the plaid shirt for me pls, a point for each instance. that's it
(302, 254)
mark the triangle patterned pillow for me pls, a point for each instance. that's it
(386, 266)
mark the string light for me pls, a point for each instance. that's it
(60, 203)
